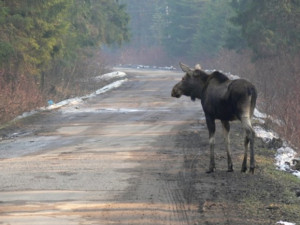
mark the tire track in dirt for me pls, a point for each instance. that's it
(181, 209)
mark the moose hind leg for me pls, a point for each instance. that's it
(250, 134)
(246, 144)
(226, 130)
(252, 160)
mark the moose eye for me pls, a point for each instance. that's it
(183, 79)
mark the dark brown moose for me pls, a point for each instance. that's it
(222, 99)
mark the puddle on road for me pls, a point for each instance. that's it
(24, 146)
(21, 146)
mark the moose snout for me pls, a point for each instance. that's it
(176, 92)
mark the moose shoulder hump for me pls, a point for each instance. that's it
(220, 77)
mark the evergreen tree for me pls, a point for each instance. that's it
(269, 26)
(182, 23)
(34, 33)
(32, 29)
(212, 29)
(160, 22)
(197, 28)
(146, 21)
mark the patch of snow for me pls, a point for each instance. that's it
(71, 101)
(285, 223)
(26, 114)
(210, 71)
(285, 155)
(284, 160)
(265, 135)
(106, 88)
(169, 68)
(147, 67)
(296, 173)
(232, 77)
(143, 67)
(78, 100)
(109, 76)
(259, 114)
(121, 110)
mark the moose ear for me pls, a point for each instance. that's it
(185, 68)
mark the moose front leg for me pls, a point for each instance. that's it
(211, 129)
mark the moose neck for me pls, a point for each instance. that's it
(201, 78)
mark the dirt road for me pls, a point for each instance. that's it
(135, 155)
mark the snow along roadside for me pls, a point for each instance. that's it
(285, 223)
(285, 155)
(77, 100)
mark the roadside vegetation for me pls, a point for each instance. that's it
(47, 48)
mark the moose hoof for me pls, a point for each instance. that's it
(252, 170)
(230, 170)
(244, 170)
(211, 170)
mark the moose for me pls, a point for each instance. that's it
(221, 99)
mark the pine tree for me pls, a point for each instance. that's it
(34, 33)
(269, 26)
(212, 28)
(182, 23)
(197, 29)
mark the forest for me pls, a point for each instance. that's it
(46, 47)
